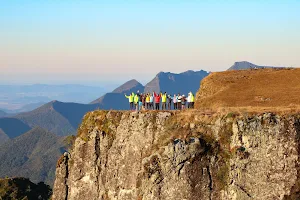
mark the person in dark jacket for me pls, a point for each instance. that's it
(169, 102)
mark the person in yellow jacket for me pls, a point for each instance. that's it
(136, 101)
(164, 100)
(191, 100)
(148, 101)
(130, 98)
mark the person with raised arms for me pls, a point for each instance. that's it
(130, 98)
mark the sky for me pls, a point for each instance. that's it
(94, 42)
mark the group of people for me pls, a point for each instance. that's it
(161, 101)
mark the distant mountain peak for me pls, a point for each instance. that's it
(241, 65)
(243, 62)
(163, 81)
(129, 86)
(188, 72)
(176, 82)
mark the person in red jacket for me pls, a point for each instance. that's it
(156, 100)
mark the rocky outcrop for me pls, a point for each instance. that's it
(186, 155)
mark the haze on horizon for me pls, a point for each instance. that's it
(84, 42)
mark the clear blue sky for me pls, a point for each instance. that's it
(89, 41)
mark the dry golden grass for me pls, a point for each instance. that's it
(262, 90)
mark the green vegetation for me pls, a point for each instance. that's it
(33, 155)
(22, 188)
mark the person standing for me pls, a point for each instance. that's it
(183, 102)
(143, 100)
(141, 107)
(157, 100)
(151, 101)
(192, 100)
(136, 101)
(175, 98)
(179, 101)
(189, 100)
(148, 101)
(130, 98)
(163, 100)
(169, 102)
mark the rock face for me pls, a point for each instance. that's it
(186, 155)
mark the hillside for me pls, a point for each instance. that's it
(247, 65)
(176, 83)
(22, 188)
(274, 88)
(130, 86)
(115, 99)
(57, 117)
(32, 155)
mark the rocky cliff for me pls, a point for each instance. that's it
(182, 155)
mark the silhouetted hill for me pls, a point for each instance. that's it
(57, 117)
(130, 86)
(116, 99)
(22, 188)
(176, 83)
(246, 65)
(13, 127)
(32, 155)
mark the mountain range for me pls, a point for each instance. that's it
(24, 98)
(31, 142)
(57, 117)
(164, 81)
(171, 83)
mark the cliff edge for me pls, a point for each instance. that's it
(187, 155)
(192, 154)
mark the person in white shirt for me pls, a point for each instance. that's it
(179, 101)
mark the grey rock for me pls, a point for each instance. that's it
(246, 158)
